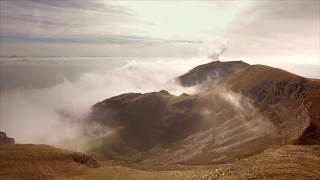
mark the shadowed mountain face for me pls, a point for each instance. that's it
(276, 92)
(147, 118)
(249, 109)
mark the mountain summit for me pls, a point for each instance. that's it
(211, 72)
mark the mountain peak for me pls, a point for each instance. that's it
(211, 72)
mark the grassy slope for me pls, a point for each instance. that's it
(36, 161)
(256, 74)
(286, 162)
(45, 162)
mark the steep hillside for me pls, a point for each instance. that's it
(312, 99)
(37, 162)
(272, 88)
(242, 114)
(143, 121)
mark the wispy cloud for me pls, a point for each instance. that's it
(99, 6)
(252, 28)
(75, 22)
(103, 39)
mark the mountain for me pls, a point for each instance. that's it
(248, 122)
(241, 111)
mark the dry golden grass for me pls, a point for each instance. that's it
(44, 162)
(285, 162)
(36, 162)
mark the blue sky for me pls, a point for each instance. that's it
(248, 29)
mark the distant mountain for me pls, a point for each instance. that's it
(243, 110)
(4, 139)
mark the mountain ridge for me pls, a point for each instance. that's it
(210, 72)
(259, 122)
(273, 103)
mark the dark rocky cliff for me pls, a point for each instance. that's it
(4, 139)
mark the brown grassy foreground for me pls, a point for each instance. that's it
(45, 162)
(286, 162)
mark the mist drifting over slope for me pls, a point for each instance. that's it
(53, 115)
(51, 111)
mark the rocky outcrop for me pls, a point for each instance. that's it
(5, 140)
(85, 159)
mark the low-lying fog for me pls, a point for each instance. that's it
(43, 99)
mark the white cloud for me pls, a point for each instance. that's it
(54, 115)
